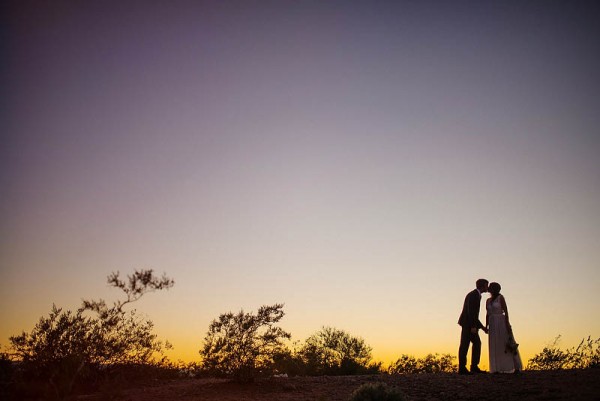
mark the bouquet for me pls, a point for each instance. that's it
(511, 344)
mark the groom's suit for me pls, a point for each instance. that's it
(469, 319)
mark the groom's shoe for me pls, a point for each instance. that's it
(476, 370)
(463, 371)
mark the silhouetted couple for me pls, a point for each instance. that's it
(504, 353)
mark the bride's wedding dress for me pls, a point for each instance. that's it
(502, 360)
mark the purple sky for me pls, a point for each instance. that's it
(312, 143)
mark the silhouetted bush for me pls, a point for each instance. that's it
(406, 364)
(332, 351)
(585, 355)
(85, 345)
(377, 392)
(432, 363)
(289, 362)
(244, 345)
(7, 371)
(188, 370)
(125, 337)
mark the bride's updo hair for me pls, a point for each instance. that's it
(494, 288)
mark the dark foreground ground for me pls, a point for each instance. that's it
(559, 385)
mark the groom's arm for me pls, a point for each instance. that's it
(474, 303)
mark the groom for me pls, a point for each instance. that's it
(469, 321)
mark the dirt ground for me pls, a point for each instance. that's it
(529, 385)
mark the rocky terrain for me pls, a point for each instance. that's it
(529, 385)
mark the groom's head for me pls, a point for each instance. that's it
(482, 285)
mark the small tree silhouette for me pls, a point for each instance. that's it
(57, 349)
(333, 351)
(406, 364)
(65, 344)
(244, 345)
(127, 338)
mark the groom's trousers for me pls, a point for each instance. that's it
(466, 337)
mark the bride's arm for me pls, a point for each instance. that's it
(487, 314)
(505, 309)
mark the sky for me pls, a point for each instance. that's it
(361, 162)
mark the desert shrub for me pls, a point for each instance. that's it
(188, 369)
(406, 364)
(332, 351)
(56, 351)
(6, 374)
(550, 358)
(585, 355)
(289, 362)
(377, 392)
(244, 345)
(68, 346)
(432, 363)
(125, 337)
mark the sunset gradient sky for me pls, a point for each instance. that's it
(362, 162)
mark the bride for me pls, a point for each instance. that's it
(504, 354)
